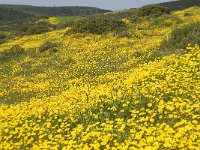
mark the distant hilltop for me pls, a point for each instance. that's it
(181, 4)
(9, 12)
(130, 13)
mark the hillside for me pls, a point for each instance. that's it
(181, 4)
(20, 20)
(129, 13)
(132, 84)
(9, 12)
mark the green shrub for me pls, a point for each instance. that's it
(179, 39)
(152, 10)
(69, 61)
(2, 37)
(26, 27)
(49, 46)
(39, 28)
(97, 26)
(187, 14)
(60, 26)
(123, 34)
(166, 20)
(13, 52)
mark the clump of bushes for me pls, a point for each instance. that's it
(166, 20)
(49, 46)
(2, 37)
(187, 14)
(26, 27)
(179, 39)
(69, 61)
(123, 34)
(149, 11)
(13, 52)
(152, 10)
(97, 26)
(39, 28)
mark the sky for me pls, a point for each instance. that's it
(105, 4)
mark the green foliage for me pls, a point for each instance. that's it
(97, 26)
(69, 61)
(38, 28)
(16, 25)
(18, 28)
(152, 10)
(181, 4)
(13, 52)
(118, 15)
(10, 12)
(179, 40)
(49, 46)
(2, 37)
(181, 37)
(123, 34)
(165, 20)
(68, 20)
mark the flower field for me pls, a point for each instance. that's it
(102, 91)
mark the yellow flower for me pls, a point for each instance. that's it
(194, 121)
(149, 104)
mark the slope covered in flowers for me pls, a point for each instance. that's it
(101, 92)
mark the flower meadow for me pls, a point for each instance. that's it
(102, 91)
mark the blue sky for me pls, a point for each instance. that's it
(106, 4)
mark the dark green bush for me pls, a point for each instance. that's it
(186, 14)
(2, 37)
(18, 28)
(152, 10)
(118, 15)
(39, 28)
(178, 40)
(69, 61)
(13, 52)
(123, 34)
(181, 37)
(60, 26)
(49, 46)
(12, 14)
(97, 26)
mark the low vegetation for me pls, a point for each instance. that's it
(97, 26)
(180, 37)
(166, 21)
(3, 37)
(19, 28)
(49, 46)
(181, 4)
(152, 11)
(93, 90)
(11, 53)
(10, 12)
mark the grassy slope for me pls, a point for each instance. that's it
(181, 4)
(101, 90)
(51, 11)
